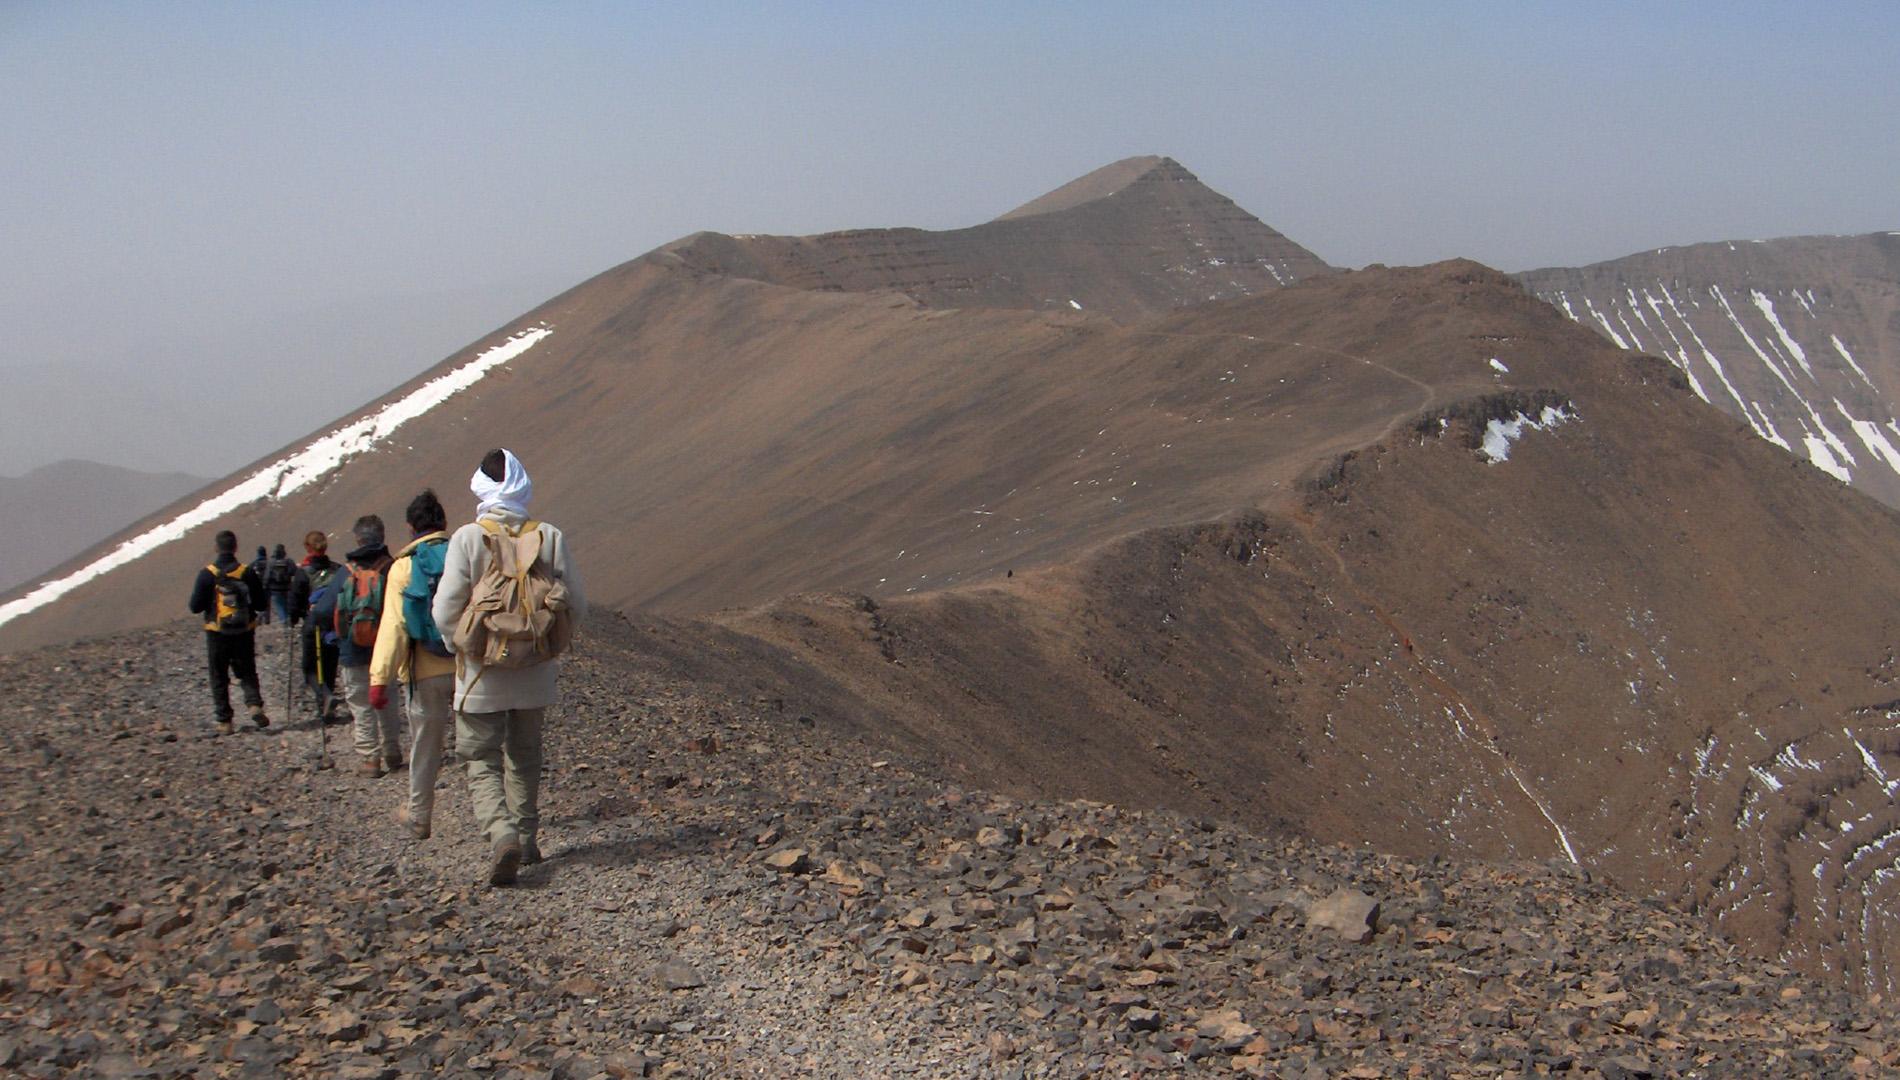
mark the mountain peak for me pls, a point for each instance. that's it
(1100, 184)
(1131, 239)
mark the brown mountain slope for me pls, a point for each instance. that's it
(1134, 238)
(1799, 337)
(1598, 648)
(744, 440)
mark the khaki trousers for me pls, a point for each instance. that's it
(503, 750)
(428, 704)
(378, 732)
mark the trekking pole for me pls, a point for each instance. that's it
(290, 674)
(323, 730)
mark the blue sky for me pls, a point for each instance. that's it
(288, 209)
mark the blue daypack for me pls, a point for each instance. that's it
(324, 587)
(418, 596)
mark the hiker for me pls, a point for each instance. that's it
(258, 566)
(313, 602)
(229, 595)
(279, 578)
(359, 611)
(410, 651)
(506, 647)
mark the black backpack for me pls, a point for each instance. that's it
(277, 575)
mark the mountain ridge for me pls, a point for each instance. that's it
(1397, 555)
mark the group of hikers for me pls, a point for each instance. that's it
(469, 625)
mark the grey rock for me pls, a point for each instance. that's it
(1347, 912)
(678, 975)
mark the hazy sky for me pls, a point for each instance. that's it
(225, 225)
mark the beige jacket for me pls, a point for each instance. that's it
(389, 664)
(501, 689)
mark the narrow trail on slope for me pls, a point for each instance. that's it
(1429, 398)
(1309, 531)
(1303, 519)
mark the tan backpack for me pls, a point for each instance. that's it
(517, 614)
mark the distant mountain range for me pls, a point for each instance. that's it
(1797, 338)
(1125, 495)
(58, 511)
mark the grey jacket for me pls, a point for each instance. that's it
(501, 688)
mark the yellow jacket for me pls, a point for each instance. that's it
(389, 664)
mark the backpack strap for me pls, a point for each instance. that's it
(497, 528)
(211, 613)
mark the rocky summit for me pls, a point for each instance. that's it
(735, 887)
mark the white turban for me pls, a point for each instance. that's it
(509, 495)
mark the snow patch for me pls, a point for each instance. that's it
(290, 474)
(1704, 754)
(1498, 366)
(1682, 354)
(1841, 347)
(1873, 766)
(1767, 308)
(1605, 323)
(1824, 460)
(1872, 437)
(1716, 291)
(1500, 434)
(1834, 442)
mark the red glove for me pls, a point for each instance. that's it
(379, 697)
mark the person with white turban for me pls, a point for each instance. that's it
(499, 710)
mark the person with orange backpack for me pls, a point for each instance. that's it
(508, 603)
(359, 612)
(229, 596)
(410, 652)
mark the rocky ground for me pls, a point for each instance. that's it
(731, 889)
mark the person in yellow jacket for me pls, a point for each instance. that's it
(409, 652)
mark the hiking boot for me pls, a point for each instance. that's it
(530, 853)
(392, 761)
(506, 862)
(371, 767)
(260, 719)
(418, 828)
(225, 728)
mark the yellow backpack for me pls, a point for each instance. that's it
(231, 611)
